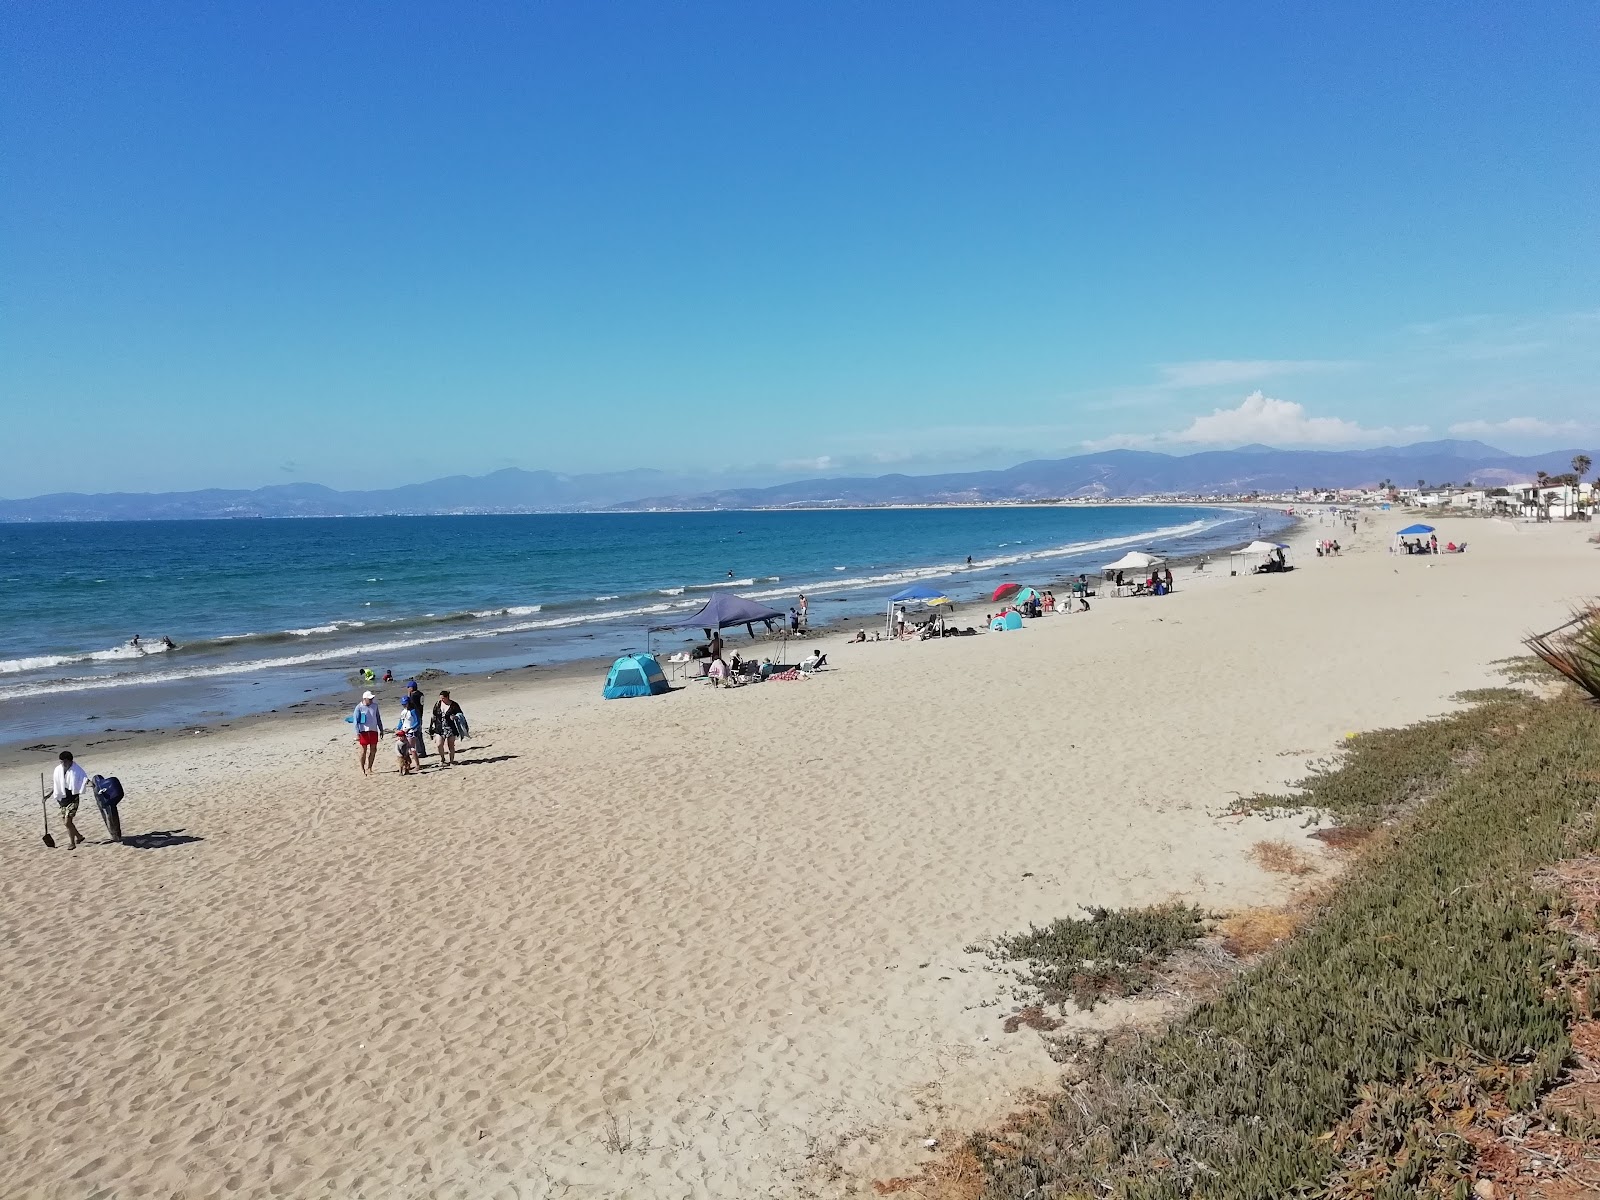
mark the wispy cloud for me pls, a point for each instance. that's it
(1261, 418)
(1516, 427)
(1485, 337)
(1230, 372)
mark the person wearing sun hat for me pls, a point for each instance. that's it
(369, 730)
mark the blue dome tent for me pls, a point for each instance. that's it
(635, 675)
(1011, 620)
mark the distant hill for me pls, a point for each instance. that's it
(508, 491)
(1114, 473)
(1120, 473)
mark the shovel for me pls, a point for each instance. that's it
(44, 809)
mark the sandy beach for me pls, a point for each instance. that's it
(710, 944)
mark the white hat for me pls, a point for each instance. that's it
(366, 695)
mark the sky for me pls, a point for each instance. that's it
(364, 244)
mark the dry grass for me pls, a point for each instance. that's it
(1342, 837)
(954, 1175)
(1256, 930)
(1282, 859)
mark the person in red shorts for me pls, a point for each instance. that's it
(369, 729)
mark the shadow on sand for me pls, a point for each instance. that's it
(159, 839)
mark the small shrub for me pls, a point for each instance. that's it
(1112, 952)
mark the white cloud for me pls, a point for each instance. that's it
(1261, 418)
(1516, 427)
(1223, 372)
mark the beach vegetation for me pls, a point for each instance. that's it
(1385, 1049)
(1573, 650)
(1108, 954)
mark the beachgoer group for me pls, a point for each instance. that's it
(446, 725)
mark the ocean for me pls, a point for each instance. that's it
(267, 612)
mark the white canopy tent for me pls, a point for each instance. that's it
(1134, 560)
(1256, 553)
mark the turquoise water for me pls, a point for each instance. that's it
(265, 610)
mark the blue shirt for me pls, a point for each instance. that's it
(368, 718)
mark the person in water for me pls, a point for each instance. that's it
(167, 643)
(135, 642)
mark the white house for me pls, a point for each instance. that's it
(1556, 502)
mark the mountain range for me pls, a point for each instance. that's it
(1108, 474)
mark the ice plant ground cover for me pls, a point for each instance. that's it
(1428, 1006)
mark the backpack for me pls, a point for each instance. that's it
(108, 791)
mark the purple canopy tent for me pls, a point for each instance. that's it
(723, 610)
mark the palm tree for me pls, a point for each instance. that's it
(1580, 468)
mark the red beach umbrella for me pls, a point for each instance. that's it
(1005, 591)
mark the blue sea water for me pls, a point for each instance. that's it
(262, 611)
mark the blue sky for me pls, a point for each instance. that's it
(256, 244)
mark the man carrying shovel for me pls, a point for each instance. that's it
(67, 788)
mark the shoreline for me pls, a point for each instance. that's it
(121, 702)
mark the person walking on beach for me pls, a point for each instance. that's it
(445, 712)
(369, 729)
(805, 622)
(413, 700)
(409, 730)
(66, 788)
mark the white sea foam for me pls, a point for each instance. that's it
(123, 653)
(677, 591)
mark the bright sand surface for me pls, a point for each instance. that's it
(709, 944)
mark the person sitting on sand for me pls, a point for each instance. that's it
(388, 675)
(861, 636)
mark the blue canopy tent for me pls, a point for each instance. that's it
(917, 593)
(635, 675)
(1417, 531)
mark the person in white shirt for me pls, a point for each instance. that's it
(67, 788)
